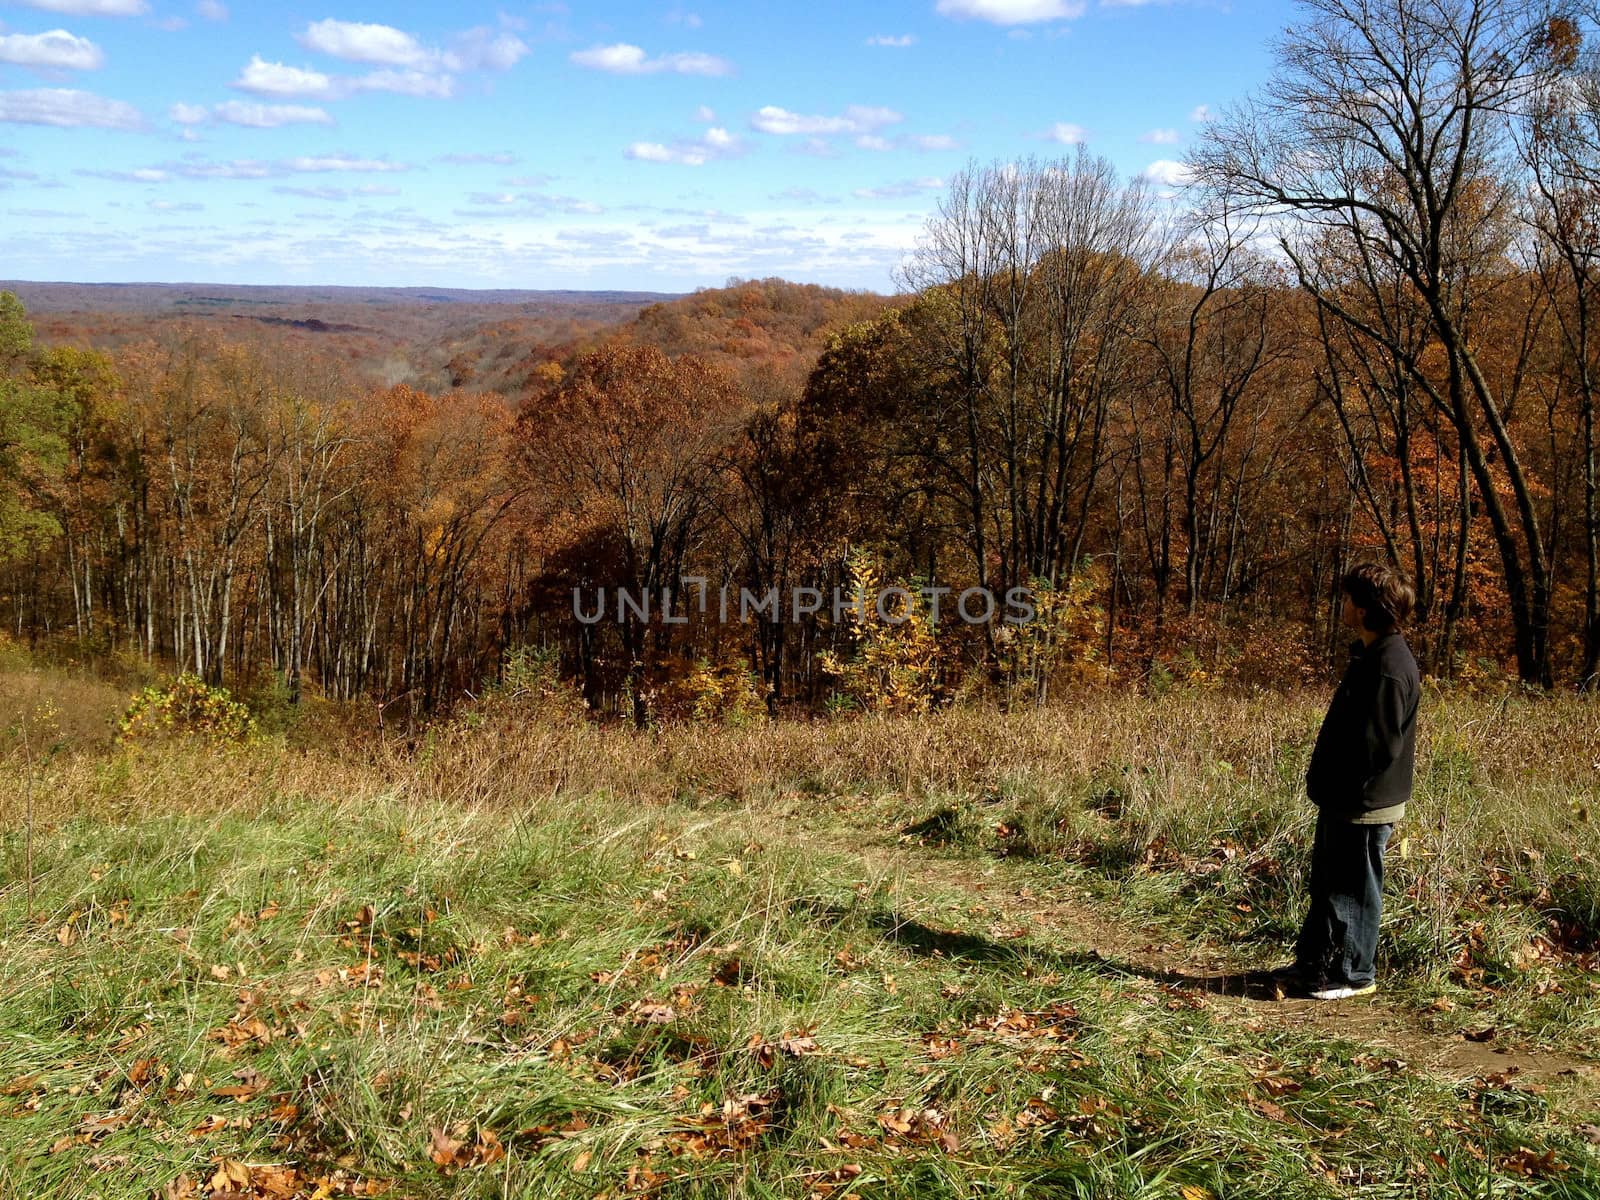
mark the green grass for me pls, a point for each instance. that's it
(584, 997)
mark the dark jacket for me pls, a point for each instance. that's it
(1364, 753)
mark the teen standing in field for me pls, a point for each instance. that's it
(1360, 780)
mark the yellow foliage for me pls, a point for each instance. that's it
(727, 692)
(1062, 639)
(897, 666)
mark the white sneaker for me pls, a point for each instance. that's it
(1344, 991)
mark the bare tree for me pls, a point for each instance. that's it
(1389, 124)
(1035, 270)
(1561, 147)
(1209, 338)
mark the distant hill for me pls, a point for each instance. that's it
(411, 335)
(509, 341)
(42, 297)
(760, 329)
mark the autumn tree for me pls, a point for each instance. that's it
(1033, 272)
(1388, 124)
(1209, 343)
(628, 445)
(33, 418)
(1560, 144)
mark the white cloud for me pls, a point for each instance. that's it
(1160, 137)
(479, 48)
(67, 108)
(251, 168)
(716, 143)
(530, 204)
(884, 39)
(357, 41)
(1168, 172)
(1200, 112)
(268, 116)
(1067, 133)
(175, 206)
(313, 193)
(337, 193)
(623, 59)
(92, 8)
(858, 118)
(342, 162)
(705, 114)
(276, 79)
(408, 83)
(57, 49)
(243, 168)
(802, 195)
(879, 144)
(188, 114)
(139, 175)
(499, 160)
(482, 48)
(898, 191)
(212, 10)
(404, 64)
(772, 119)
(1013, 12)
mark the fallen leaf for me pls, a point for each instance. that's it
(646, 1012)
(444, 1148)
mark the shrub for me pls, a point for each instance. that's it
(186, 707)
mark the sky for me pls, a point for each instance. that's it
(618, 144)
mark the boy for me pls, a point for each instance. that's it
(1360, 780)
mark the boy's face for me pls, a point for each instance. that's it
(1352, 617)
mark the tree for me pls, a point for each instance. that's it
(1210, 340)
(1034, 271)
(1561, 148)
(32, 446)
(1388, 125)
(629, 445)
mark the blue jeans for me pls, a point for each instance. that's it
(1339, 939)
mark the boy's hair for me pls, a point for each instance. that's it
(1386, 595)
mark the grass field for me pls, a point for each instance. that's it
(964, 955)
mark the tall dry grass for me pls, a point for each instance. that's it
(1507, 783)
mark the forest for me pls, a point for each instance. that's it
(1364, 330)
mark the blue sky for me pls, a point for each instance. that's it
(618, 144)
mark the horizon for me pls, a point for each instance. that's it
(633, 146)
(311, 284)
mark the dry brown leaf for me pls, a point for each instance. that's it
(444, 1148)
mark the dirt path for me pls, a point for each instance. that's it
(1011, 910)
